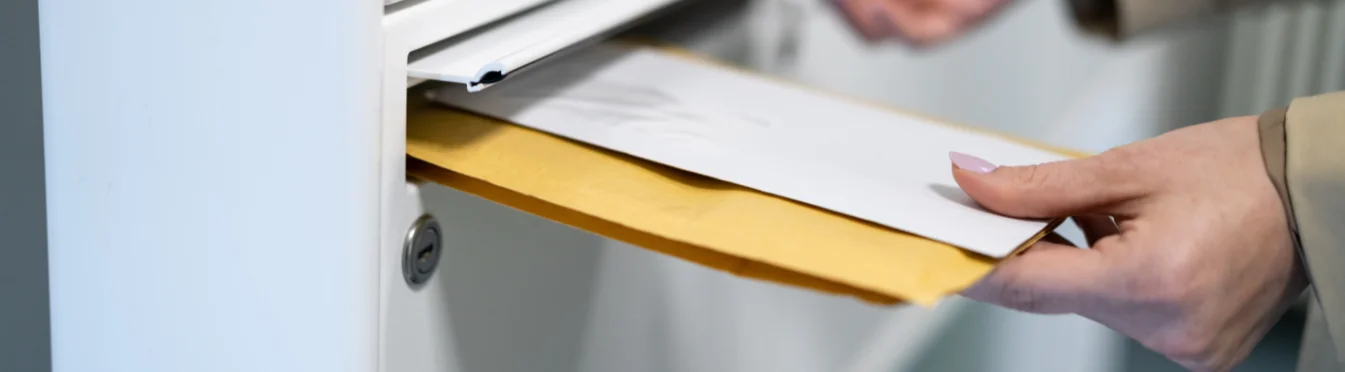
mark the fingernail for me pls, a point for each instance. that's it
(971, 163)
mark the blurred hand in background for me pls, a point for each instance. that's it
(920, 22)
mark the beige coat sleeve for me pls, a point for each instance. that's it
(1304, 148)
(1120, 19)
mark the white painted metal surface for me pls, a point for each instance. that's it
(415, 330)
(420, 22)
(498, 50)
(212, 192)
(255, 224)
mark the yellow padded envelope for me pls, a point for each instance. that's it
(702, 220)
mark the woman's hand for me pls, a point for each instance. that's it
(918, 21)
(1199, 265)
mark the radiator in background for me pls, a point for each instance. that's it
(1288, 49)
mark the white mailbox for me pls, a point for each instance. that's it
(226, 179)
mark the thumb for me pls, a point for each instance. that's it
(1048, 278)
(1094, 185)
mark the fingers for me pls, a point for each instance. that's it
(1096, 228)
(1048, 279)
(1095, 185)
(918, 21)
(922, 22)
(869, 17)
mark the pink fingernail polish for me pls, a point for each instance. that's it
(971, 163)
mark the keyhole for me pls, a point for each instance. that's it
(422, 251)
(425, 257)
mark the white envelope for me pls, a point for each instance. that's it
(863, 161)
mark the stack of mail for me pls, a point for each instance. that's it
(729, 169)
